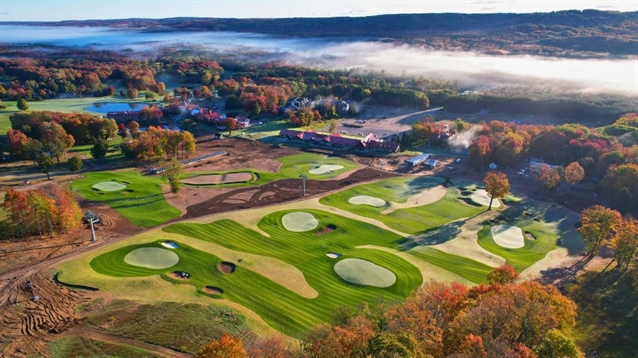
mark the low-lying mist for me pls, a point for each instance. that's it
(470, 70)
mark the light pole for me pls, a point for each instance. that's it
(303, 183)
(381, 168)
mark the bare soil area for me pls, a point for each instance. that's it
(219, 178)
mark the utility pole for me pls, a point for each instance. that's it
(381, 168)
(303, 185)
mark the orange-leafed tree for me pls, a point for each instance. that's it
(418, 322)
(69, 214)
(503, 275)
(599, 225)
(225, 347)
(574, 173)
(625, 242)
(547, 177)
(496, 186)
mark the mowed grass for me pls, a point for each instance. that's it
(465, 267)
(283, 309)
(141, 202)
(294, 165)
(551, 227)
(413, 220)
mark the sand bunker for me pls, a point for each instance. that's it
(324, 169)
(219, 178)
(508, 236)
(213, 290)
(425, 197)
(109, 186)
(226, 267)
(366, 200)
(299, 222)
(480, 197)
(151, 257)
(169, 245)
(364, 273)
(333, 255)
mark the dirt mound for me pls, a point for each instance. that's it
(226, 267)
(326, 229)
(213, 290)
(30, 312)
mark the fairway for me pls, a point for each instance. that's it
(142, 202)
(315, 166)
(412, 219)
(108, 186)
(364, 273)
(151, 257)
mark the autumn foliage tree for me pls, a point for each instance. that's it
(574, 173)
(599, 225)
(225, 347)
(503, 275)
(40, 212)
(496, 186)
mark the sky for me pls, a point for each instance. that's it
(56, 10)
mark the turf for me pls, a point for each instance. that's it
(409, 220)
(142, 202)
(306, 251)
(467, 268)
(551, 227)
(294, 165)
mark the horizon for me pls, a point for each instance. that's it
(73, 10)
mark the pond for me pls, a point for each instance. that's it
(114, 107)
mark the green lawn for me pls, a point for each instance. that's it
(294, 165)
(462, 266)
(292, 314)
(413, 220)
(551, 227)
(86, 347)
(142, 202)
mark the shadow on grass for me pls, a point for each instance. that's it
(434, 236)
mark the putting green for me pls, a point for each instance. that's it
(508, 236)
(364, 273)
(480, 197)
(366, 200)
(299, 221)
(151, 257)
(324, 169)
(109, 186)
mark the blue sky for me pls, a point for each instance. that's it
(55, 10)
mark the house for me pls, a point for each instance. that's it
(368, 143)
(296, 104)
(242, 122)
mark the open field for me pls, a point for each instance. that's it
(141, 202)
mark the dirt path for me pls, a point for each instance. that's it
(103, 336)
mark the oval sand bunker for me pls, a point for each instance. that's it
(508, 236)
(366, 200)
(151, 257)
(299, 222)
(364, 273)
(480, 197)
(324, 169)
(108, 186)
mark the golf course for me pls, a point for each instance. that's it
(293, 264)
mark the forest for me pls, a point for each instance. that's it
(588, 33)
